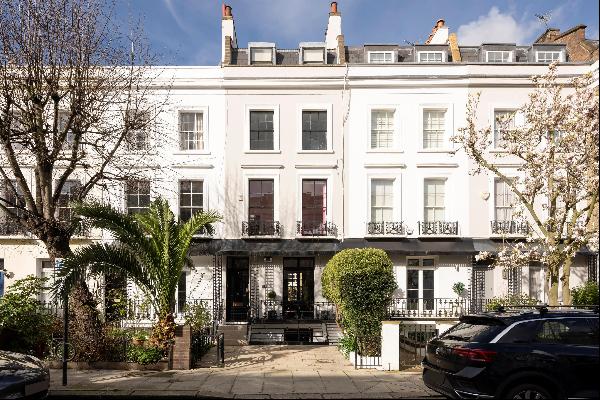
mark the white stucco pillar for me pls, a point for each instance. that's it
(390, 342)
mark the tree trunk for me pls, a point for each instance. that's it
(566, 290)
(553, 285)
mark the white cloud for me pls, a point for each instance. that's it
(497, 27)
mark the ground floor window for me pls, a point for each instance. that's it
(420, 283)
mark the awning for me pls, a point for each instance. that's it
(284, 247)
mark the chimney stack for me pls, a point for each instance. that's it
(228, 37)
(334, 27)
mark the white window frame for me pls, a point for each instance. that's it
(420, 268)
(327, 107)
(397, 133)
(443, 53)
(204, 192)
(446, 202)
(494, 204)
(559, 52)
(262, 107)
(67, 144)
(205, 127)
(149, 128)
(503, 107)
(323, 51)
(384, 52)
(510, 55)
(40, 274)
(272, 175)
(396, 193)
(448, 126)
(261, 46)
(327, 176)
(124, 197)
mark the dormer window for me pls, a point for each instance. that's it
(431, 56)
(498, 56)
(381, 57)
(548, 56)
(261, 53)
(312, 53)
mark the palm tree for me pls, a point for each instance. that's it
(151, 248)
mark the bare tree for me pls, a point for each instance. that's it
(75, 98)
(557, 183)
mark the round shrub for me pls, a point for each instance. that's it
(360, 282)
(585, 295)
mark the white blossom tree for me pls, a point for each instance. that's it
(556, 188)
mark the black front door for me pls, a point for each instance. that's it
(237, 299)
(298, 288)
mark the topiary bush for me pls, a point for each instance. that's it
(586, 294)
(360, 282)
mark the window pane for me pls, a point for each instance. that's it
(191, 131)
(314, 202)
(261, 56)
(434, 199)
(191, 198)
(137, 195)
(314, 130)
(382, 200)
(434, 126)
(261, 130)
(412, 279)
(313, 55)
(382, 128)
(66, 197)
(260, 200)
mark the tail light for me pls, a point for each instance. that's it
(475, 354)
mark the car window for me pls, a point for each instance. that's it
(566, 331)
(473, 332)
(520, 333)
(593, 322)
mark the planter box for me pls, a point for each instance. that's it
(127, 366)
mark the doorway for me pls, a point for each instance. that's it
(237, 301)
(298, 287)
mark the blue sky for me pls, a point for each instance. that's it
(187, 32)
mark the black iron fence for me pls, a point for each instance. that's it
(273, 310)
(441, 228)
(261, 228)
(412, 342)
(435, 307)
(203, 344)
(386, 228)
(509, 227)
(316, 228)
(367, 352)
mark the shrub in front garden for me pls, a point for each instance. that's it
(585, 295)
(361, 283)
(144, 354)
(511, 300)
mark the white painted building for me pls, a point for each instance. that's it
(312, 150)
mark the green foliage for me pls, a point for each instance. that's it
(361, 283)
(458, 288)
(586, 294)
(197, 316)
(514, 300)
(271, 295)
(346, 345)
(144, 355)
(25, 326)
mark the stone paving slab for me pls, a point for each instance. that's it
(250, 372)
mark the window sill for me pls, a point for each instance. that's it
(191, 152)
(384, 151)
(435, 151)
(315, 151)
(262, 152)
(498, 151)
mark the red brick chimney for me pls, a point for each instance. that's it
(228, 37)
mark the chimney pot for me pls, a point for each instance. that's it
(226, 11)
(440, 23)
(334, 9)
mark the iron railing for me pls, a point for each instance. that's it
(261, 228)
(273, 310)
(509, 227)
(203, 343)
(142, 310)
(316, 228)
(435, 307)
(449, 228)
(386, 228)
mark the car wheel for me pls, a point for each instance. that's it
(529, 391)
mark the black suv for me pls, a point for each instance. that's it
(532, 354)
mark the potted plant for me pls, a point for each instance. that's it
(139, 338)
(271, 295)
(459, 289)
(272, 314)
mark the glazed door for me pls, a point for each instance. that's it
(298, 288)
(237, 294)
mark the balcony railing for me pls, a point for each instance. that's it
(312, 228)
(9, 227)
(441, 228)
(428, 307)
(274, 310)
(386, 228)
(261, 228)
(510, 227)
(139, 310)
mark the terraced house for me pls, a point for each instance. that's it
(311, 150)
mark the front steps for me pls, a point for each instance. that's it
(234, 334)
(334, 333)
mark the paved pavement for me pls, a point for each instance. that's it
(262, 372)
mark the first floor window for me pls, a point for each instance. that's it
(12, 197)
(504, 120)
(260, 200)
(137, 194)
(314, 203)
(434, 197)
(382, 129)
(191, 198)
(66, 197)
(504, 201)
(137, 135)
(434, 126)
(314, 130)
(420, 283)
(47, 272)
(191, 131)
(382, 200)
(261, 130)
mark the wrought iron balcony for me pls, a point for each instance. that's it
(261, 228)
(9, 227)
(273, 310)
(510, 227)
(386, 228)
(316, 228)
(428, 307)
(441, 228)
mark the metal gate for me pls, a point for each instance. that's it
(412, 339)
